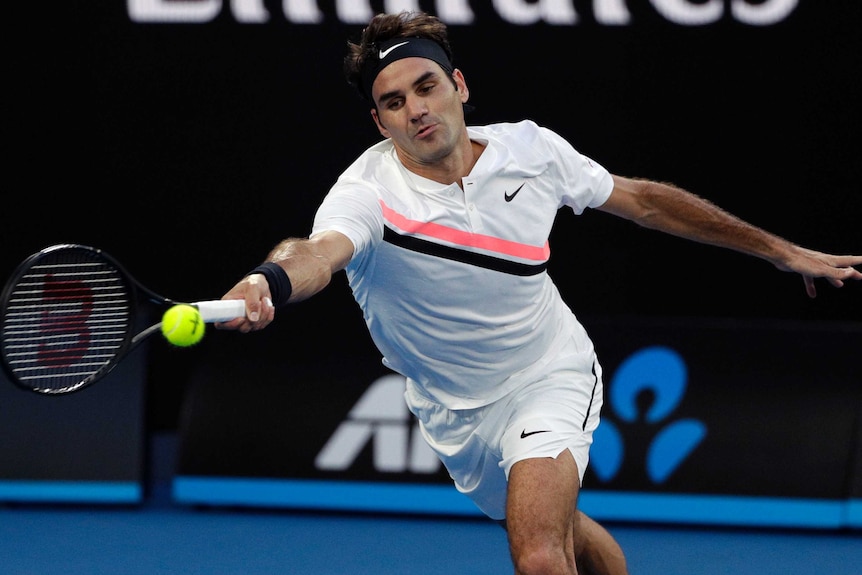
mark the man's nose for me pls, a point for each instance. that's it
(416, 108)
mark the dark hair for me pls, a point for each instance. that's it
(384, 27)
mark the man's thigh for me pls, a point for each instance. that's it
(541, 501)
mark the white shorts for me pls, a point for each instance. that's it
(542, 419)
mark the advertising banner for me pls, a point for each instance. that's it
(727, 422)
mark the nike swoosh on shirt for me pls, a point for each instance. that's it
(526, 433)
(384, 53)
(510, 197)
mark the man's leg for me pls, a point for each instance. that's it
(547, 535)
(596, 551)
(540, 510)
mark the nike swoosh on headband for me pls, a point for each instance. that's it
(384, 53)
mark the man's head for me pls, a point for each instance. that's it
(390, 37)
(403, 67)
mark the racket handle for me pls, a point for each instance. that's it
(220, 310)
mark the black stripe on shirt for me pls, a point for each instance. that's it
(592, 395)
(447, 252)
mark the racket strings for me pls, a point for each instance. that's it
(65, 322)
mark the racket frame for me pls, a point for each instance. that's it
(137, 295)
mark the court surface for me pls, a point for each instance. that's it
(161, 537)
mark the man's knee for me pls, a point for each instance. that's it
(541, 557)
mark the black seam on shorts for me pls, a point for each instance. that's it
(447, 252)
(592, 396)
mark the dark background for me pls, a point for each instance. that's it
(188, 150)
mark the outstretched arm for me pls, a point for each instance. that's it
(309, 264)
(670, 209)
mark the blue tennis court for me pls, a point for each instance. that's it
(161, 537)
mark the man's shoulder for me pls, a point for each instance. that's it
(524, 139)
(371, 161)
(507, 128)
(524, 132)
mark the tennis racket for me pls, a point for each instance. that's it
(69, 316)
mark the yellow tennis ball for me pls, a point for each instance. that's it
(182, 325)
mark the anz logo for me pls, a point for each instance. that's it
(662, 372)
(381, 418)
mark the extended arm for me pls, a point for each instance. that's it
(309, 263)
(672, 210)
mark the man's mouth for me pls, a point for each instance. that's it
(424, 131)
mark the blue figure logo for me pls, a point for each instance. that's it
(663, 372)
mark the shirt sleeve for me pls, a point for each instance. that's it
(353, 209)
(585, 182)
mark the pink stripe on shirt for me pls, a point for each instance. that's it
(467, 239)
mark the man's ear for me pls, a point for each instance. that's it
(380, 128)
(461, 85)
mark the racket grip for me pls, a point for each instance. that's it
(220, 310)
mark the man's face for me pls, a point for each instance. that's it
(419, 107)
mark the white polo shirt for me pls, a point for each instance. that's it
(451, 282)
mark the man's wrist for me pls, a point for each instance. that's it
(280, 287)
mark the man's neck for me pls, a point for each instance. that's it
(453, 168)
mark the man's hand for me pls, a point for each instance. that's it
(813, 264)
(258, 304)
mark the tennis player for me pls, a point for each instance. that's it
(443, 230)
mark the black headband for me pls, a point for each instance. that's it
(396, 49)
